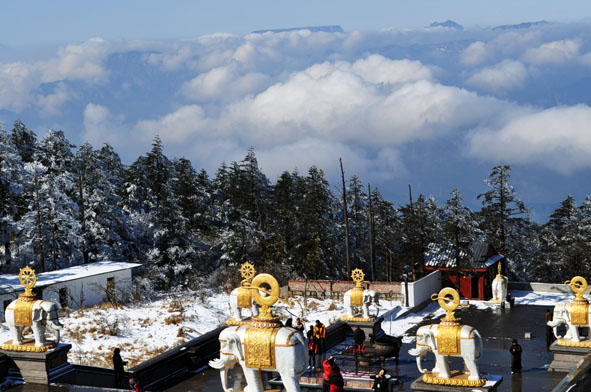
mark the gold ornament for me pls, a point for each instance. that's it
(28, 280)
(569, 343)
(357, 275)
(247, 271)
(456, 380)
(579, 307)
(449, 300)
(259, 348)
(27, 346)
(265, 302)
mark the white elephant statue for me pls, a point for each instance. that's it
(470, 349)
(236, 307)
(369, 297)
(43, 313)
(290, 357)
(562, 315)
(499, 288)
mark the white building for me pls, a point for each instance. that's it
(74, 287)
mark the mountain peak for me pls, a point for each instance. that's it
(448, 24)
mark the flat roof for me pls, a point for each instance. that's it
(10, 282)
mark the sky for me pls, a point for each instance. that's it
(399, 102)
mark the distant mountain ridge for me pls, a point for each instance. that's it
(524, 25)
(314, 29)
(449, 24)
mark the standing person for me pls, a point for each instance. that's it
(327, 365)
(515, 351)
(320, 334)
(337, 384)
(312, 348)
(381, 381)
(510, 299)
(549, 331)
(358, 337)
(118, 364)
(299, 326)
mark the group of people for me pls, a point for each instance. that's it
(316, 337)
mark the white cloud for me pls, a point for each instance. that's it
(557, 138)
(178, 127)
(101, 126)
(506, 75)
(308, 152)
(475, 54)
(379, 69)
(78, 62)
(50, 104)
(17, 80)
(223, 84)
(553, 53)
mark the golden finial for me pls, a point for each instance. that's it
(578, 285)
(265, 316)
(247, 271)
(28, 280)
(449, 300)
(500, 267)
(357, 275)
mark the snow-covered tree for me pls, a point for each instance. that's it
(11, 185)
(503, 214)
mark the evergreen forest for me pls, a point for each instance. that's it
(63, 205)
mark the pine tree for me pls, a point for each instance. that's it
(503, 214)
(561, 240)
(11, 186)
(460, 230)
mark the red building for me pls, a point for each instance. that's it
(476, 272)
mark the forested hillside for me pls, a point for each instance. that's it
(63, 205)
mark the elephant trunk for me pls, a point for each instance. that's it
(222, 366)
(418, 353)
(54, 324)
(420, 364)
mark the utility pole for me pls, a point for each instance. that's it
(347, 251)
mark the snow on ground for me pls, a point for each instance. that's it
(146, 330)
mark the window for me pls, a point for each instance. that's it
(63, 293)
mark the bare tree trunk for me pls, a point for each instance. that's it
(347, 251)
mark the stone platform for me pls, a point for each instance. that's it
(566, 358)
(491, 385)
(40, 368)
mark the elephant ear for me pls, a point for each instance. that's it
(37, 313)
(236, 345)
(430, 339)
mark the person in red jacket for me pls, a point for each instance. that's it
(327, 365)
(337, 384)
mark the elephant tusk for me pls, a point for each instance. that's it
(216, 363)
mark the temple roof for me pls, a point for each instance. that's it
(480, 256)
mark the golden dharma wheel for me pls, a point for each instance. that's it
(273, 294)
(247, 270)
(357, 275)
(27, 277)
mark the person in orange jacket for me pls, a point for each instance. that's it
(320, 335)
